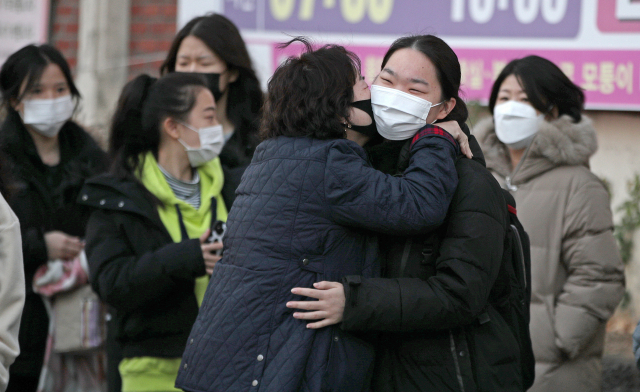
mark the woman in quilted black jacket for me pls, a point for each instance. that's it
(305, 211)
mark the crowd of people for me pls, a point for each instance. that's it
(325, 235)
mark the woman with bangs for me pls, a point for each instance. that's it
(48, 157)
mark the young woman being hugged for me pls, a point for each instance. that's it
(211, 46)
(147, 238)
(538, 144)
(49, 157)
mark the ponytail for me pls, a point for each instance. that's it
(128, 139)
(145, 102)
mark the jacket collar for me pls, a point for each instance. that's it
(18, 144)
(211, 180)
(560, 142)
(107, 192)
(392, 157)
(80, 157)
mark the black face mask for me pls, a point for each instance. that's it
(212, 81)
(368, 130)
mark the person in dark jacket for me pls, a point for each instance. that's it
(147, 237)
(434, 304)
(304, 212)
(48, 158)
(211, 46)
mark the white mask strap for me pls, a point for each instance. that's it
(433, 106)
(189, 126)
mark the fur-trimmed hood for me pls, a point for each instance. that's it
(560, 142)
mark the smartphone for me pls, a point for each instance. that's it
(217, 232)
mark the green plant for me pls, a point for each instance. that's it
(630, 221)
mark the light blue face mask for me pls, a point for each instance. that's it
(211, 143)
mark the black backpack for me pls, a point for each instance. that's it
(512, 300)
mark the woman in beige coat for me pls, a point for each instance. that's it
(12, 290)
(538, 145)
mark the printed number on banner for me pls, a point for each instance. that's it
(353, 11)
(526, 11)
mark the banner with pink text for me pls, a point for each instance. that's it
(595, 42)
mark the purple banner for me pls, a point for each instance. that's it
(610, 78)
(464, 18)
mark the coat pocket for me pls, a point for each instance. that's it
(543, 334)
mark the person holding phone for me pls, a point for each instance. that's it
(48, 157)
(148, 238)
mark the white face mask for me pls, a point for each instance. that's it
(211, 142)
(47, 116)
(398, 115)
(516, 124)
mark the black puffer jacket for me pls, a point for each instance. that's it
(440, 331)
(235, 157)
(136, 267)
(43, 198)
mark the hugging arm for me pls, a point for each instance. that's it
(360, 196)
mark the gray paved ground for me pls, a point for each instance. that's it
(619, 374)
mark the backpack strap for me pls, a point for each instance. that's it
(183, 228)
(214, 212)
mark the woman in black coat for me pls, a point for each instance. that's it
(49, 157)
(211, 46)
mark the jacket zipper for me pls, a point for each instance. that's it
(455, 361)
(507, 179)
(520, 254)
(405, 256)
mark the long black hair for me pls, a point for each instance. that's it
(308, 95)
(545, 84)
(142, 107)
(245, 97)
(447, 67)
(26, 67)
(5, 179)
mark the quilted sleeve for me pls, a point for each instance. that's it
(128, 281)
(595, 281)
(417, 202)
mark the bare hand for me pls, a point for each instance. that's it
(328, 309)
(210, 258)
(208, 252)
(454, 129)
(62, 246)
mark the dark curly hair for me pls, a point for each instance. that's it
(311, 95)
